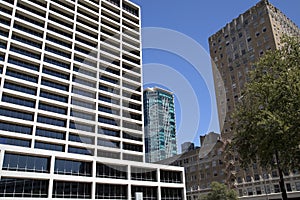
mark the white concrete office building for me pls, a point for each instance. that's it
(71, 114)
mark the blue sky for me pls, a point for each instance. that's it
(198, 20)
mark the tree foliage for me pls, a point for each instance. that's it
(267, 119)
(220, 192)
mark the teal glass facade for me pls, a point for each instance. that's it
(160, 125)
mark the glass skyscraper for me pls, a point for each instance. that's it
(160, 129)
(71, 115)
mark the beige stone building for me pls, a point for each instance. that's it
(202, 165)
(234, 49)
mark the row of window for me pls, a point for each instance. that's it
(57, 97)
(24, 129)
(35, 67)
(80, 19)
(268, 189)
(62, 52)
(32, 163)
(27, 163)
(18, 187)
(35, 188)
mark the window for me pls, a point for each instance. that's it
(276, 188)
(148, 192)
(288, 187)
(258, 190)
(25, 52)
(111, 171)
(28, 30)
(3, 45)
(18, 187)
(239, 180)
(18, 101)
(132, 87)
(110, 191)
(57, 63)
(265, 176)
(133, 147)
(16, 114)
(52, 96)
(131, 96)
(132, 157)
(28, 163)
(35, 22)
(214, 163)
(134, 116)
(109, 100)
(18, 88)
(55, 85)
(81, 70)
(59, 31)
(132, 136)
(82, 127)
(109, 89)
(4, 33)
(240, 192)
(52, 108)
(131, 125)
(62, 189)
(84, 82)
(42, 14)
(274, 174)
(5, 126)
(5, 21)
(58, 52)
(50, 133)
(48, 146)
(250, 191)
(171, 193)
(88, 33)
(57, 41)
(170, 176)
(55, 73)
(143, 174)
(297, 186)
(109, 132)
(15, 142)
(215, 173)
(83, 93)
(81, 139)
(82, 115)
(84, 104)
(51, 121)
(26, 41)
(83, 151)
(110, 121)
(72, 167)
(248, 178)
(108, 154)
(110, 80)
(108, 143)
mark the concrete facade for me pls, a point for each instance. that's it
(71, 122)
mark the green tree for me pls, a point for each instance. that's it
(220, 192)
(267, 119)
